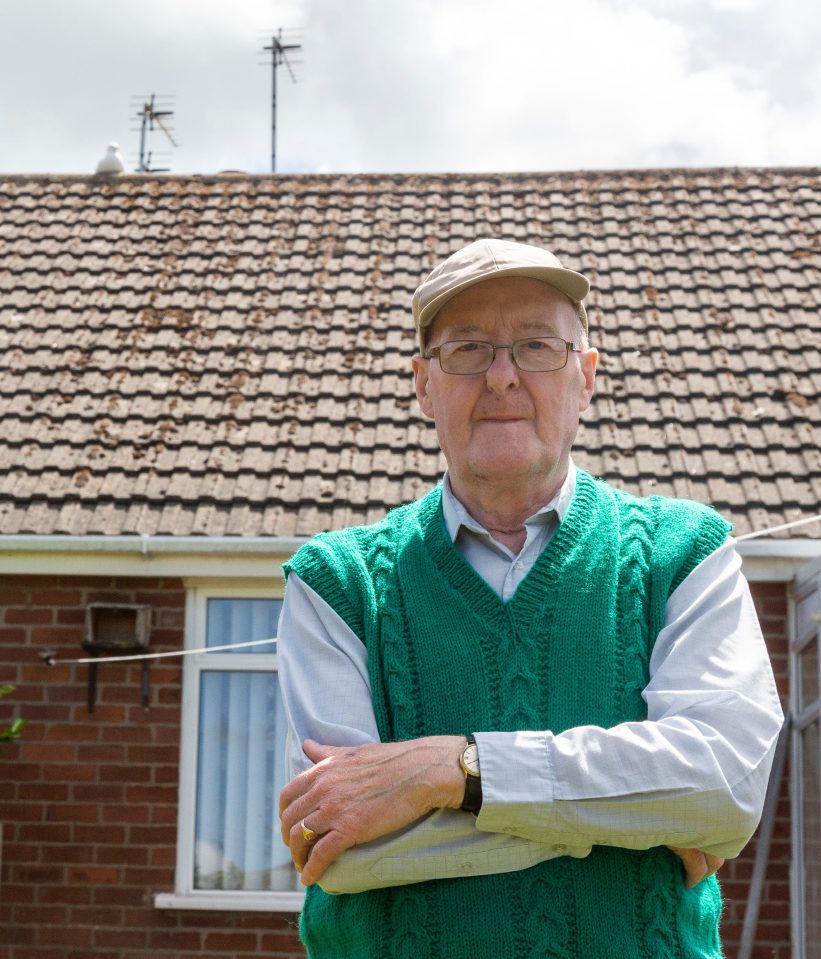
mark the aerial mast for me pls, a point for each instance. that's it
(154, 112)
(278, 50)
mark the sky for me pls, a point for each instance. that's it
(414, 85)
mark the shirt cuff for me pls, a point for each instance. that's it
(517, 782)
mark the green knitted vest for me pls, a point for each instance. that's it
(447, 656)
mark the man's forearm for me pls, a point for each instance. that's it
(353, 795)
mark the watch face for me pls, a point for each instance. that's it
(470, 759)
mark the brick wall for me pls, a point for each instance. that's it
(88, 802)
(773, 931)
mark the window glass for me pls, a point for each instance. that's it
(240, 753)
(242, 621)
(240, 772)
(808, 667)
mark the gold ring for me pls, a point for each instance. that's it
(307, 834)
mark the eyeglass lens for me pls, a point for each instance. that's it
(538, 354)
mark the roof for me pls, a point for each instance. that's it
(229, 355)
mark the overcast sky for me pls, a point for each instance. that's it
(415, 85)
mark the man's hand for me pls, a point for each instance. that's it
(698, 865)
(356, 794)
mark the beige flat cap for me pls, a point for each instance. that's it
(486, 259)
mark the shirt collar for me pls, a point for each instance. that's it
(457, 516)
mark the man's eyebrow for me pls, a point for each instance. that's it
(543, 327)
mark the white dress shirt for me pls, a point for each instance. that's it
(693, 774)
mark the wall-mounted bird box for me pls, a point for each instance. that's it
(116, 629)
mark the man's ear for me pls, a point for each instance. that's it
(421, 369)
(588, 360)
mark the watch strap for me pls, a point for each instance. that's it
(473, 787)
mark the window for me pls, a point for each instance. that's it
(229, 851)
(806, 763)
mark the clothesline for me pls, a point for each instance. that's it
(53, 661)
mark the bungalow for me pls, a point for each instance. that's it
(199, 373)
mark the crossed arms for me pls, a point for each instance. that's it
(692, 776)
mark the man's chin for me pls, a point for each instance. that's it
(505, 465)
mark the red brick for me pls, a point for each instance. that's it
(127, 855)
(44, 832)
(40, 953)
(93, 875)
(12, 636)
(174, 939)
(36, 915)
(117, 896)
(57, 635)
(148, 876)
(163, 856)
(38, 875)
(93, 834)
(73, 812)
(71, 617)
(13, 596)
(16, 893)
(19, 935)
(127, 734)
(154, 755)
(97, 916)
(44, 596)
(23, 812)
(23, 614)
(63, 936)
(73, 732)
(163, 814)
(151, 794)
(152, 835)
(72, 895)
(102, 713)
(126, 773)
(120, 937)
(127, 813)
(235, 941)
(70, 772)
(49, 752)
(65, 853)
(99, 753)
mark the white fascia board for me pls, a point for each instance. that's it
(260, 557)
(776, 560)
(218, 557)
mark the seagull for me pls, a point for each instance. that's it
(112, 162)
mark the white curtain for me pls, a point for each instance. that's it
(240, 761)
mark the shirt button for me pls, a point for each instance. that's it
(520, 565)
(510, 829)
(467, 867)
(560, 849)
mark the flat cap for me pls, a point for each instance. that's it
(486, 259)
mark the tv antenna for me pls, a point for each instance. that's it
(278, 48)
(154, 112)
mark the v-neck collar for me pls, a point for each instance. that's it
(537, 590)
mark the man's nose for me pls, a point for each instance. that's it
(502, 374)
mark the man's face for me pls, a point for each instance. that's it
(504, 424)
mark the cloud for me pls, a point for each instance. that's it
(389, 85)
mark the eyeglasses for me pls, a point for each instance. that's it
(534, 354)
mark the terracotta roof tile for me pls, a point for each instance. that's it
(231, 355)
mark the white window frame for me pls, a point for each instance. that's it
(185, 896)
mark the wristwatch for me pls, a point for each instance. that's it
(469, 761)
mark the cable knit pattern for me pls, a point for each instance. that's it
(446, 655)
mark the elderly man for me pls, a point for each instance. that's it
(529, 712)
